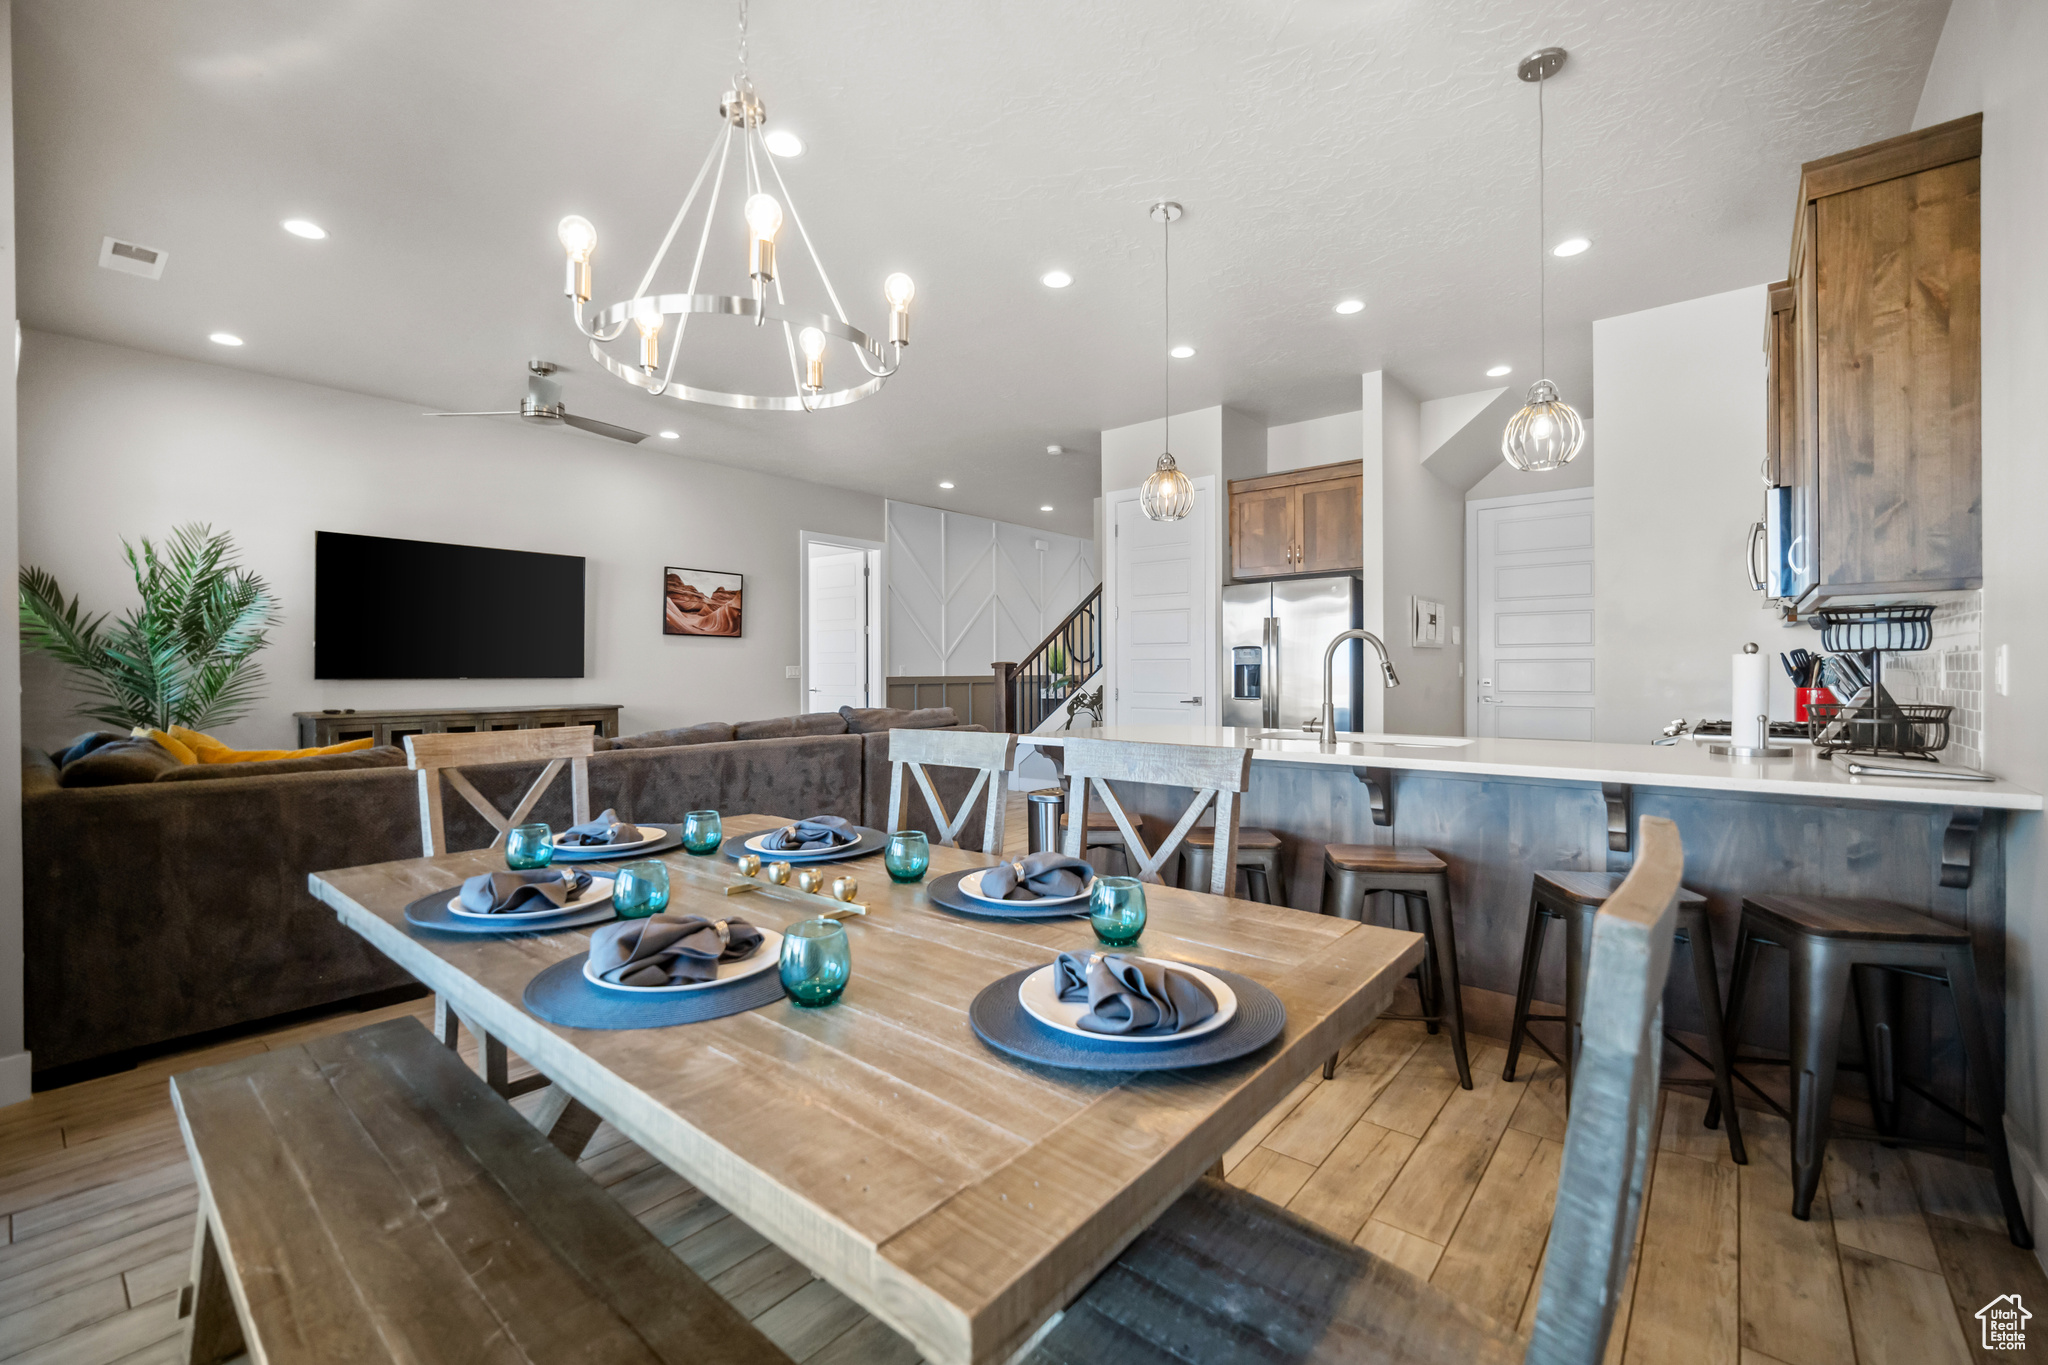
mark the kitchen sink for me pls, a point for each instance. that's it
(1350, 737)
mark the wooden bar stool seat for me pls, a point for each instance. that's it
(1259, 857)
(1575, 898)
(1835, 943)
(1422, 880)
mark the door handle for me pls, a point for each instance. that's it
(1192, 701)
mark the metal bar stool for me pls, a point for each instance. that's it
(1416, 875)
(1575, 898)
(1834, 942)
(1258, 856)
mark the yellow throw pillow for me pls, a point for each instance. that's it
(206, 749)
(176, 748)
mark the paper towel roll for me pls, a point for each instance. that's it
(1752, 704)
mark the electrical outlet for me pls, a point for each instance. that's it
(792, 670)
(2001, 673)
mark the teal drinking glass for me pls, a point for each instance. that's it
(1116, 907)
(702, 832)
(816, 961)
(528, 847)
(908, 855)
(641, 890)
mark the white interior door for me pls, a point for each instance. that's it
(1532, 571)
(1165, 598)
(839, 636)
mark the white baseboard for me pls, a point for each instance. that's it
(14, 1079)
(2033, 1186)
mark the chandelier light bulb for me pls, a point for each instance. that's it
(813, 343)
(1545, 435)
(1167, 494)
(577, 236)
(899, 289)
(764, 216)
(647, 317)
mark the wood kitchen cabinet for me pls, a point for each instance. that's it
(1883, 450)
(1305, 521)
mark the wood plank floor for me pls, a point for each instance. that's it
(96, 1210)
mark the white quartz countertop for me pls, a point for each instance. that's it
(1684, 764)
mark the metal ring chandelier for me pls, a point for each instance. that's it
(743, 115)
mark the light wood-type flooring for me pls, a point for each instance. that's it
(96, 1213)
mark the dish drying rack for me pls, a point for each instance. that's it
(1870, 722)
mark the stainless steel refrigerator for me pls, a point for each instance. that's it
(1274, 635)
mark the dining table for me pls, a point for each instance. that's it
(961, 1196)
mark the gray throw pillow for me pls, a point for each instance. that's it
(877, 718)
(710, 732)
(118, 764)
(383, 756)
(783, 727)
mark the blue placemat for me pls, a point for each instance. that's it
(945, 891)
(561, 995)
(1001, 1021)
(604, 852)
(431, 912)
(871, 841)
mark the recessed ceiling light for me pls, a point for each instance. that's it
(668, 435)
(300, 227)
(782, 142)
(1571, 246)
(1055, 279)
(225, 339)
(1182, 352)
(1046, 508)
(1055, 450)
(1350, 306)
(1499, 370)
(945, 483)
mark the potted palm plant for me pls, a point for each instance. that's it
(186, 656)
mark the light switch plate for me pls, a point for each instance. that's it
(2001, 672)
(1429, 623)
(792, 670)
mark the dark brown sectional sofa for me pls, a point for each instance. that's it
(159, 910)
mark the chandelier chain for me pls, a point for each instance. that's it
(743, 42)
(1542, 263)
(1166, 327)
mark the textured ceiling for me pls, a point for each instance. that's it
(1324, 148)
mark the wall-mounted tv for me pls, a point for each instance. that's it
(385, 608)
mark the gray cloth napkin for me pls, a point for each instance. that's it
(607, 828)
(1126, 995)
(670, 950)
(495, 893)
(1037, 877)
(812, 836)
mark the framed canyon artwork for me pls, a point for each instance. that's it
(699, 602)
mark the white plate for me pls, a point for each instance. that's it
(781, 855)
(1035, 994)
(598, 892)
(765, 959)
(970, 885)
(648, 835)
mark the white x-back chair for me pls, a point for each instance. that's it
(434, 757)
(1218, 775)
(991, 754)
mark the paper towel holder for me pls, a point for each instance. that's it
(1768, 750)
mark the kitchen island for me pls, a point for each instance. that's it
(1500, 810)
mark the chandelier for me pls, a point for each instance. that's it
(1167, 495)
(740, 148)
(1547, 432)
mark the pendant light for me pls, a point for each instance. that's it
(1546, 433)
(1167, 494)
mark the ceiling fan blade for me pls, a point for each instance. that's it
(470, 414)
(626, 434)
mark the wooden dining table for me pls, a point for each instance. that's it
(961, 1196)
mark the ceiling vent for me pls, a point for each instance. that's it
(132, 259)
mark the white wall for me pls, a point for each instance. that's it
(1990, 59)
(965, 591)
(1321, 440)
(1421, 525)
(1681, 397)
(118, 442)
(14, 1060)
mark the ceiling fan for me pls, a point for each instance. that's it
(543, 403)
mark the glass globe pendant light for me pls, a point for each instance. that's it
(1167, 494)
(1547, 432)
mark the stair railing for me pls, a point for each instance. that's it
(1064, 660)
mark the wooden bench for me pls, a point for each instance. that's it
(367, 1198)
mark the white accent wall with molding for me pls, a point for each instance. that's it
(965, 591)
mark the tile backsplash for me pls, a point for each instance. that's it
(1949, 672)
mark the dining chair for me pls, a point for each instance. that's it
(434, 757)
(1226, 1278)
(991, 755)
(1218, 775)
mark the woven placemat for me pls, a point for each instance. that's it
(871, 841)
(1001, 1021)
(562, 995)
(945, 891)
(597, 853)
(432, 912)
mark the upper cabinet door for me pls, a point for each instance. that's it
(1332, 521)
(1262, 533)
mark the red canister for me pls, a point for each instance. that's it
(1803, 696)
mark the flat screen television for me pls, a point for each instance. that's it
(385, 608)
